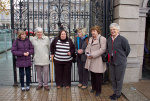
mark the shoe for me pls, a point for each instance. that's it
(92, 91)
(84, 87)
(23, 89)
(27, 88)
(58, 87)
(67, 87)
(112, 96)
(39, 87)
(46, 88)
(79, 85)
(97, 94)
(115, 97)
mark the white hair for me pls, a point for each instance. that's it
(38, 29)
(114, 25)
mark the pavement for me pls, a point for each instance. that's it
(139, 91)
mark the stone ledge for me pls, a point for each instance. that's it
(128, 24)
(127, 2)
(132, 94)
(132, 74)
(126, 11)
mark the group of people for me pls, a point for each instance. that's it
(89, 52)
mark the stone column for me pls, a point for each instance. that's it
(126, 14)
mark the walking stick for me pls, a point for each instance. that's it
(52, 74)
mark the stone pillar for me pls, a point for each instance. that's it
(143, 9)
(126, 14)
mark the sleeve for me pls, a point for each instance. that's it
(48, 44)
(31, 49)
(76, 46)
(85, 45)
(15, 51)
(53, 46)
(101, 50)
(126, 46)
(72, 47)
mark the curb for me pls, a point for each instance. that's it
(132, 94)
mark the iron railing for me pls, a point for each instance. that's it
(52, 15)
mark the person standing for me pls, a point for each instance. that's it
(118, 50)
(80, 46)
(41, 60)
(95, 48)
(62, 49)
(23, 49)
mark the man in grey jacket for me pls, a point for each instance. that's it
(118, 50)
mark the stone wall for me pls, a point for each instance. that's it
(126, 14)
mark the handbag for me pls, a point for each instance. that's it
(104, 55)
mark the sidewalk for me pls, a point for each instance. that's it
(139, 91)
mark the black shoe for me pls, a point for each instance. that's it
(115, 97)
(92, 91)
(112, 96)
(97, 94)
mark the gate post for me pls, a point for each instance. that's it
(12, 33)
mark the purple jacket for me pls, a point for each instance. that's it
(18, 49)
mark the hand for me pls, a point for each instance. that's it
(26, 54)
(69, 53)
(80, 51)
(89, 57)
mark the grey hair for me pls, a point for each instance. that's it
(114, 25)
(38, 29)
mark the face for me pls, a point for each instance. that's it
(39, 34)
(114, 31)
(94, 33)
(63, 35)
(23, 36)
(80, 34)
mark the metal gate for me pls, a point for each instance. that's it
(52, 15)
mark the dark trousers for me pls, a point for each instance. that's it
(83, 73)
(96, 81)
(117, 76)
(28, 75)
(63, 74)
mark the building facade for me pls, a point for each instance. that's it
(5, 21)
(131, 16)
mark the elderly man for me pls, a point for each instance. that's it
(41, 46)
(119, 49)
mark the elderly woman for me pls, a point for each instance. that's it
(41, 45)
(80, 46)
(23, 49)
(119, 49)
(95, 48)
(62, 49)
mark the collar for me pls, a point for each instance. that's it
(43, 37)
(22, 40)
(113, 38)
(84, 37)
